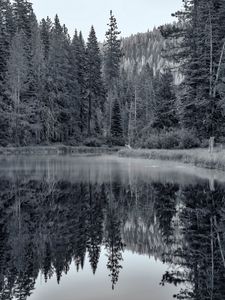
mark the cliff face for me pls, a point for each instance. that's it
(147, 48)
(142, 48)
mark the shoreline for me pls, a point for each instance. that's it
(196, 157)
(57, 149)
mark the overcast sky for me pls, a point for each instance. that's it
(132, 15)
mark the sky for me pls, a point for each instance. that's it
(132, 16)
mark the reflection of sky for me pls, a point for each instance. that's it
(132, 16)
(139, 279)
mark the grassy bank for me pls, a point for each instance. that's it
(56, 149)
(198, 157)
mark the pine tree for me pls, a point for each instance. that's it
(73, 89)
(94, 82)
(6, 33)
(45, 29)
(112, 61)
(80, 65)
(116, 128)
(112, 52)
(7, 29)
(58, 92)
(26, 24)
(23, 17)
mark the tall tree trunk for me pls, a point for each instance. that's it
(212, 259)
(218, 70)
(211, 54)
(219, 241)
(110, 110)
(89, 114)
(135, 110)
(211, 140)
(130, 135)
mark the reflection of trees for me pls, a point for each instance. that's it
(114, 245)
(95, 225)
(203, 245)
(165, 206)
(46, 228)
(113, 240)
(45, 225)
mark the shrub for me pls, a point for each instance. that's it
(152, 142)
(187, 140)
(115, 141)
(176, 139)
(169, 140)
(93, 142)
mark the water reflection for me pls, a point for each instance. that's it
(53, 213)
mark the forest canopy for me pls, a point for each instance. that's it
(159, 89)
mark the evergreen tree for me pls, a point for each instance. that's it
(112, 61)
(45, 30)
(7, 29)
(23, 17)
(112, 52)
(80, 66)
(116, 127)
(6, 33)
(58, 76)
(73, 89)
(94, 82)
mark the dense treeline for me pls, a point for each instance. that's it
(201, 252)
(54, 89)
(186, 114)
(200, 53)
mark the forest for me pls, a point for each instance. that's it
(160, 89)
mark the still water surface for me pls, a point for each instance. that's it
(94, 228)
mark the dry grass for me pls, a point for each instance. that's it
(197, 157)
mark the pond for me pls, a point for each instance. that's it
(94, 228)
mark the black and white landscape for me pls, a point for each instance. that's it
(159, 89)
(112, 153)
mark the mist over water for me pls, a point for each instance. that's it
(109, 228)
